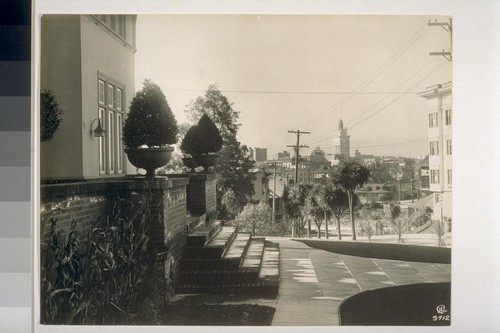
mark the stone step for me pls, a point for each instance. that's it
(217, 277)
(269, 273)
(228, 263)
(203, 233)
(238, 247)
(231, 260)
(215, 248)
(253, 256)
(207, 264)
(252, 289)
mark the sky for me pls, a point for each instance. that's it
(302, 72)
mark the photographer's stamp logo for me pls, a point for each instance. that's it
(441, 310)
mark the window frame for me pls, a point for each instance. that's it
(448, 147)
(434, 177)
(434, 148)
(448, 117)
(112, 114)
(433, 119)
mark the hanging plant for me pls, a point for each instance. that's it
(50, 115)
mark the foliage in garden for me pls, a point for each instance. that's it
(109, 276)
(234, 165)
(202, 138)
(50, 115)
(150, 121)
(258, 220)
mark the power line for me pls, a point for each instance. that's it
(391, 144)
(397, 98)
(401, 85)
(300, 92)
(373, 76)
(328, 135)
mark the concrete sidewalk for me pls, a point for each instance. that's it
(314, 282)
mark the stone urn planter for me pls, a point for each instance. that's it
(202, 141)
(149, 159)
(150, 129)
(190, 163)
(206, 160)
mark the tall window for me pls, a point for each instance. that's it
(435, 176)
(449, 177)
(434, 148)
(448, 147)
(448, 117)
(110, 98)
(433, 119)
(115, 23)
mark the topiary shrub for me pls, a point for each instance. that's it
(203, 138)
(150, 121)
(50, 115)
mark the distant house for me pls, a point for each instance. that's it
(276, 189)
(87, 62)
(260, 186)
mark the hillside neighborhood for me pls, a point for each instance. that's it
(155, 215)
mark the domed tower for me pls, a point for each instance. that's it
(341, 145)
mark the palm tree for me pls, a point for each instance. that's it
(316, 207)
(294, 200)
(338, 202)
(439, 230)
(400, 224)
(349, 177)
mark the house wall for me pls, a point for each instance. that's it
(102, 52)
(61, 73)
(74, 49)
(439, 99)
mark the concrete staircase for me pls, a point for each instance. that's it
(221, 260)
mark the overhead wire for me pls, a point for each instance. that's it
(402, 50)
(438, 67)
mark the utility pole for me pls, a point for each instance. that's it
(297, 148)
(448, 27)
(274, 194)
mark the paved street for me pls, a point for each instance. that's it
(314, 282)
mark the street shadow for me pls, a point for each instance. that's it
(402, 252)
(426, 304)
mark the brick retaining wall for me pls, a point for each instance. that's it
(88, 204)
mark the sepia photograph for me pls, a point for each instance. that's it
(245, 170)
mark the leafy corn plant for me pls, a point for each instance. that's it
(109, 276)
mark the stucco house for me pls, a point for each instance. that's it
(87, 62)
